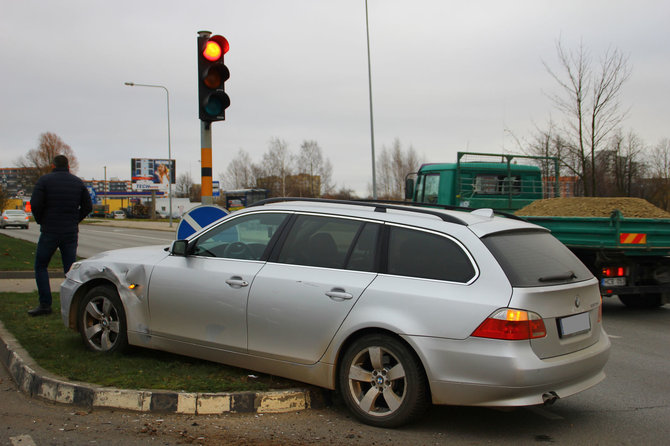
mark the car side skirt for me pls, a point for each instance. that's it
(319, 374)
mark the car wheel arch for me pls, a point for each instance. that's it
(353, 337)
(79, 295)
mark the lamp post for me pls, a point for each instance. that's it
(372, 126)
(132, 84)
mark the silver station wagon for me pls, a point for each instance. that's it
(394, 306)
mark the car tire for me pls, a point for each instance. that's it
(652, 300)
(382, 381)
(102, 320)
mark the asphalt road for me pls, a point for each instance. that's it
(96, 238)
(631, 407)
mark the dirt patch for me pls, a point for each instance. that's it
(593, 207)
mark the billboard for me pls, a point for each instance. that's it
(152, 173)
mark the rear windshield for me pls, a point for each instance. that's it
(535, 258)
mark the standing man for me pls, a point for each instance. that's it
(59, 202)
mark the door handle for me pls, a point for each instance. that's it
(339, 294)
(237, 282)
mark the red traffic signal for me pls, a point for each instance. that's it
(215, 47)
(212, 75)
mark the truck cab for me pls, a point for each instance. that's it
(501, 186)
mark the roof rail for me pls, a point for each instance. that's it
(379, 205)
(446, 207)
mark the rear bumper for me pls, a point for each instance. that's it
(485, 372)
(9, 223)
(635, 289)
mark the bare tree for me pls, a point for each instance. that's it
(393, 165)
(196, 193)
(184, 184)
(278, 163)
(620, 169)
(240, 173)
(343, 193)
(38, 161)
(590, 100)
(659, 161)
(327, 185)
(310, 161)
(384, 174)
(549, 142)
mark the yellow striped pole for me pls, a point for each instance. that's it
(206, 162)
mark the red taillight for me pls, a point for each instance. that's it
(614, 271)
(512, 325)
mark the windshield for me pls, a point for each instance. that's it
(428, 187)
(535, 258)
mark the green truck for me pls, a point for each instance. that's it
(630, 256)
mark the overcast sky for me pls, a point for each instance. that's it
(447, 76)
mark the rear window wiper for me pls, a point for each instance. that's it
(558, 277)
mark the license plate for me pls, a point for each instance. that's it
(614, 281)
(572, 325)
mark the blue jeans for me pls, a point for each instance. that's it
(46, 247)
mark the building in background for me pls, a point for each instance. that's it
(16, 182)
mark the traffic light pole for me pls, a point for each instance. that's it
(206, 162)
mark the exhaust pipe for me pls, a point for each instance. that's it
(549, 398)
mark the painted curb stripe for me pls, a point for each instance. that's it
(34, 381)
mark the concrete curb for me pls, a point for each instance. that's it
(37, 382)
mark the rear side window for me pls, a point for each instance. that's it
(330, 242)
(362, 257)
(535, 258)
(427, 255)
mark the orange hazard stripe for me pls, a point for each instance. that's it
(632, 239)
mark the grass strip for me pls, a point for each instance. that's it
(61, 351)
(19, 255)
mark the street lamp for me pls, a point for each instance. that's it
(372, 126)
(132, 84)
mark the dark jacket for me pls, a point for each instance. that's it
(60, 201)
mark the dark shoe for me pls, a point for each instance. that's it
(40, 311)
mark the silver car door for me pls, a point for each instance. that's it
(201, 300)
(202, 297)
(298, 302)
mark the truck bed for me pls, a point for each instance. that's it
(634, 236)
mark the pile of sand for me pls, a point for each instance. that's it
(593, 207)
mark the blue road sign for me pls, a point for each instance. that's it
(94, 196)
(197, 218)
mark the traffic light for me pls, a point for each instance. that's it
(212, 75)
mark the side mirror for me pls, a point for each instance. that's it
(179, 248)
(409, 189)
